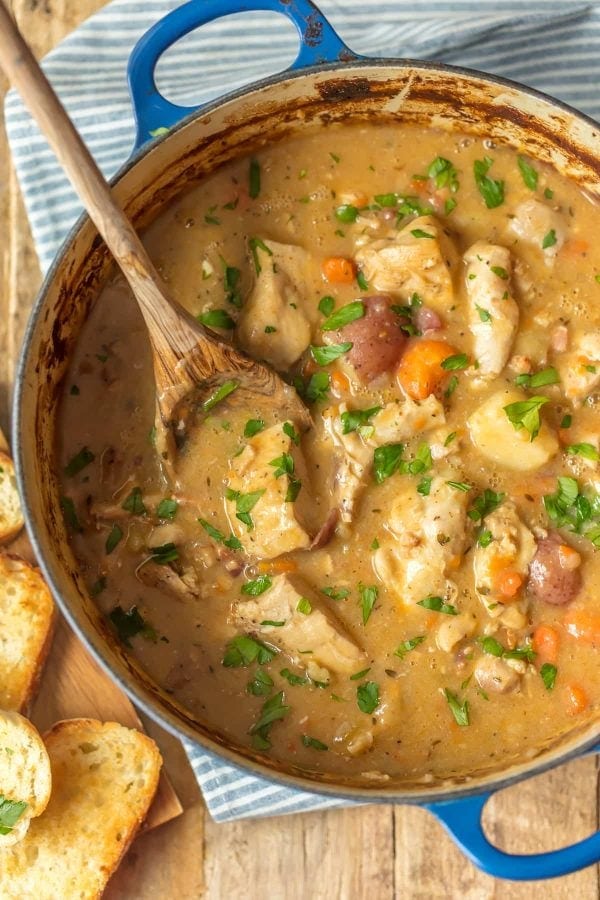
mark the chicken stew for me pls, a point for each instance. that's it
(408, 590)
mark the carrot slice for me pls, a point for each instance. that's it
(277, 566)
(339, 382)
(420, 371)
(545, 643)
(583, 625)
(576, 699)
(508, 583)
(339, 270)
(575, 247)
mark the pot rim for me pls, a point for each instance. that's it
(96, 645)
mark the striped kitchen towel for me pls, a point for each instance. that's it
(553, 45)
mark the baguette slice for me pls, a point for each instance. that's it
(11, 515)
(26, 620)
(104, 777)
(25, 775)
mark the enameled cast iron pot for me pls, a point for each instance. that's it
(327, 83)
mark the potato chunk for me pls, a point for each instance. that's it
(497, 439)
(406, 263)
(276, 524)
(310, 633)
(580, 368)
(276, 319)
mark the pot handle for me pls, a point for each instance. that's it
(319, 43)
(462, 821)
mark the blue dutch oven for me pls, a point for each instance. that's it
(327, 83)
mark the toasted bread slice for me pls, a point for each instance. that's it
(25, 777)
(26, 620)
(104, 777)
(11, 515)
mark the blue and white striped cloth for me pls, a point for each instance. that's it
(553, 45)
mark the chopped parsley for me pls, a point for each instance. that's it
(216, 318)
(231, 279)
(358, 420)
(459, 710)
(493, 647)
(326, 305)
(548, 674)
(526, 414)
(304, 606)
(325, 355)
(70, 514)
(539, 379)
(500, 271)
(244, 650)
(368, 597)
(566, 421)
(255, 245)
(484, 504)
(313, 742)
(167, 508)
(438, 604)
(588, 451)
(408, 645)
(129, 624)
(134, 503)
(253, 426)
(10, 813)
(460, 486)
(291, 432)
(227, 388)
(283, 465)
(258, 586)
(244, 504)
(114, 537)
(346, 213)
(386, 461)
(484, 539)
(336, 593)
(424, 487)
(254, 179)
(272, 710)
(316, 389)
(232, 542)
(575, 510)
(455, 363)
(529, 174)
(358, 675)
(261, 684)
(164, 554)
(491, 190)
(367, 697)
(344, 315)
(79, 462)
(444, 174)
(549, 239)
(484, 315)
(293, 679)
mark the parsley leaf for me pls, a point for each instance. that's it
(530, 175)
(455, 363)
(316, 744)
(304, 606)
(10, 813)
(367, 697)
(255, 245)
(548, 673)
(484, 504)
(258, 586)
(114, 537)
(355, 419)
(526, 414)
(491, 190)
(344, 315)
(164, 554)
(227, 388)
(244, 650)
(368, 598)
(272, 710)
(346, 213)
(438, 604)
(326, 305)
(167, 508)
(408, 645)
(325, 355)
(253, 426)
(386, 461)
(291, 432)
(336, 593)
(261, 684)
(244, 504)
(79, 462)
(134, 503)
(459, 710)
(588, 451)
(254, 179)
(539, 379)
(216, 318)
(129, 624)
(549, 239)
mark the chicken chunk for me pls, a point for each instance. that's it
(427, 539)
(536, 223)
(310, 633)
(493, 312)
(419, 259)
(266, 475)
(510, 551)
(275, 322)
(397, 421)
(454, 629)
(579, 369)
(494, 435)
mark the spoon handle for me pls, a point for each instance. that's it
(25, 74)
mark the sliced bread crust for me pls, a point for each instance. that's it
(11, 515)
(104, 777)
(27, 616)
(25, 775)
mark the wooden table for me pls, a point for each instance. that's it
(379, 852)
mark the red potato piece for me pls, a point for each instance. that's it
(378, 341)
(548, 579)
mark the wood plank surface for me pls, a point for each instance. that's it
(379, 852)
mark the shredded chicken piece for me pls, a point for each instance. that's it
(493, 312)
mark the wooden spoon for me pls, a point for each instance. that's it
(190, 363)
